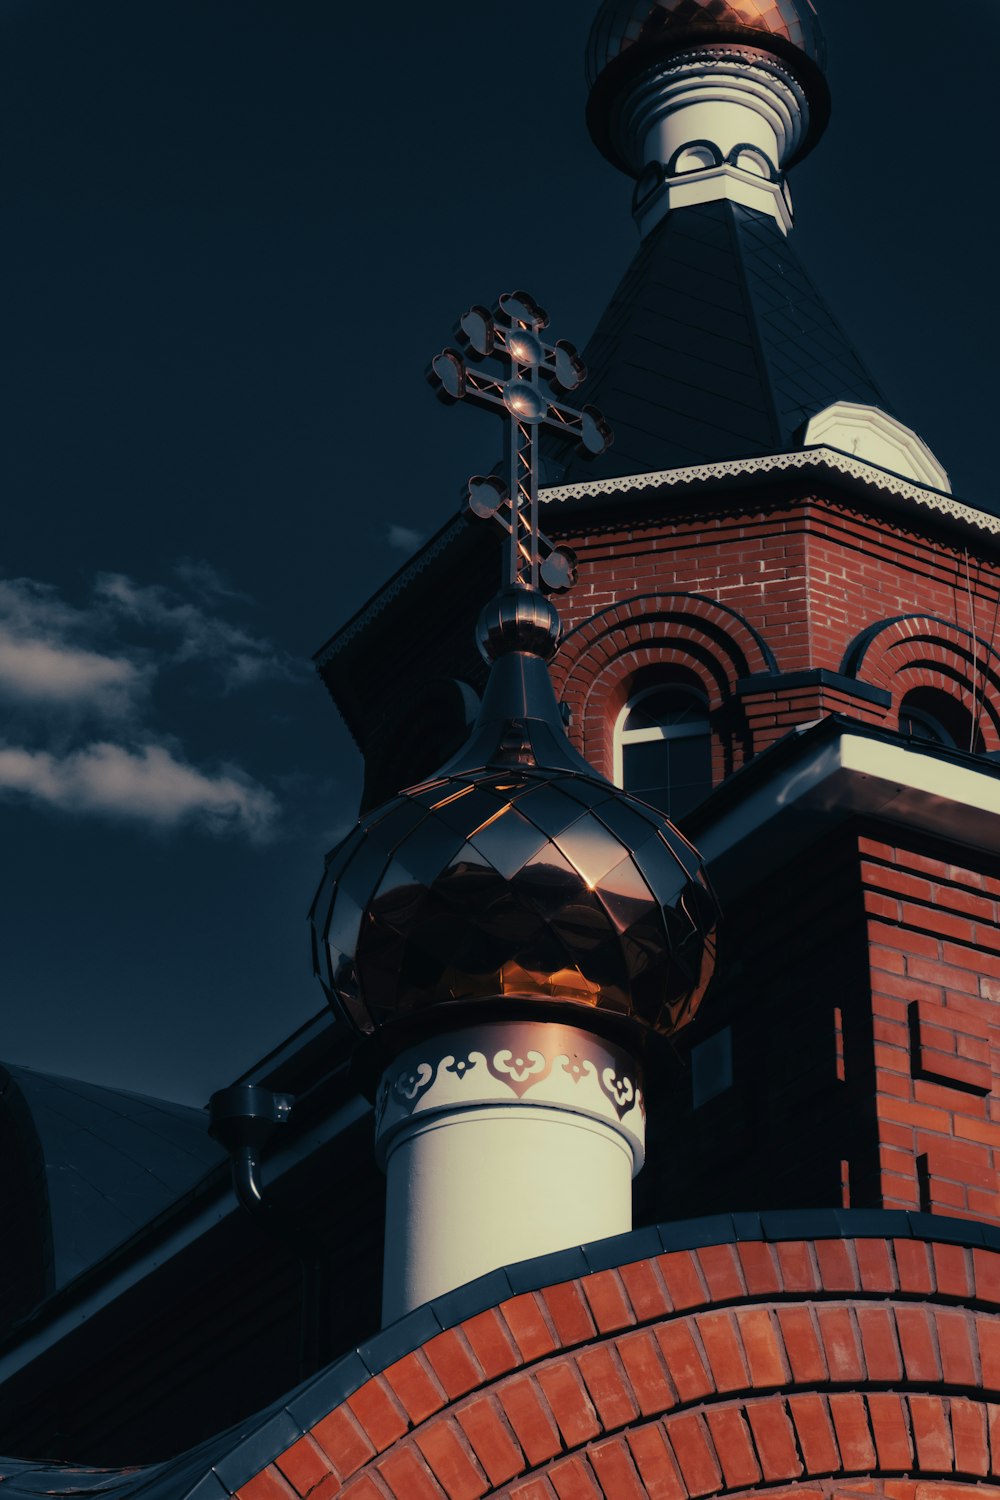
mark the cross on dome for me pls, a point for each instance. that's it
(528, 395)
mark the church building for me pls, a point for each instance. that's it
(647, 1148)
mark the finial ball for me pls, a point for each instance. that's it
(518, 619)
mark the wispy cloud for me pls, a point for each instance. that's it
(202, 579)
(79, 681)
(50, 655)
(148, 784)
(404, 538)
(238, 657)
(35, 671)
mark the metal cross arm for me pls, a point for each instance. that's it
(528, 394)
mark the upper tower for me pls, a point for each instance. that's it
(716, 345)
(702, 100)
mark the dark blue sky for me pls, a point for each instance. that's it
(235, 231)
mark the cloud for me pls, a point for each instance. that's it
(34, 671)
(29, 606)
(147, 784)
(78, 682)
(202, 579)
(238, 657)
(41, 664)
(404, 538)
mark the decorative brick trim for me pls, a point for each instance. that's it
(690, 634)
(934, 954)
(785, 682)
(741, 1445)
(722, 618)
(912, 651)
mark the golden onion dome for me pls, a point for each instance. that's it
(516, 877)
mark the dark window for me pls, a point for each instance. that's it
(663, 749)
(936, 717)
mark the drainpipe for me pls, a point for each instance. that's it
(243, 1118)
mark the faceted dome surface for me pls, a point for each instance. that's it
(621, 24)
(516, 883)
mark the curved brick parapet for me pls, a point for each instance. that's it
(815, 1354)
(685, 1374)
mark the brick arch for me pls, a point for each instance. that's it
(694, 1373)
(703, 641)
(911, 651)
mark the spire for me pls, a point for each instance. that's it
(716, 345)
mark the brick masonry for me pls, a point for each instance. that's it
(709, 597)
(847, 1367)
(934, 945)
(712, 590)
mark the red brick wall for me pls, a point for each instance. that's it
(835, 1366)
(934, 945)
(808, 577)
(754, 561)
(863, 568)
(805, 574)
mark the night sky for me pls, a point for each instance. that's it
(235, 232)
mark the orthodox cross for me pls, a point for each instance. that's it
(528, 395)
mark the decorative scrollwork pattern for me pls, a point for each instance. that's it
(526, 1061)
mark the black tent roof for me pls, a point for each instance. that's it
(716, 345)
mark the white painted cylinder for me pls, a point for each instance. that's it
(501, 1142)
(724, 95)
(719, 115)
(694, 116)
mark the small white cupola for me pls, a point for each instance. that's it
(870, 434)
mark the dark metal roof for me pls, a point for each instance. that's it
(716, 345)
(113, 1161)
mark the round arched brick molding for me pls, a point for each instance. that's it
(914, 651)
(600, 660)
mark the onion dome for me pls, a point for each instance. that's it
(516, 877)
(629, 37)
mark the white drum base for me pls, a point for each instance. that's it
(501, 1142)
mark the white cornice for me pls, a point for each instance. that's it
(819, 461)
(838, 779)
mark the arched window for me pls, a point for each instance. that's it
(663, 748)
(936, 717)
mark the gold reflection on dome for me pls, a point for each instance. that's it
(481, 888)
(560, 984)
